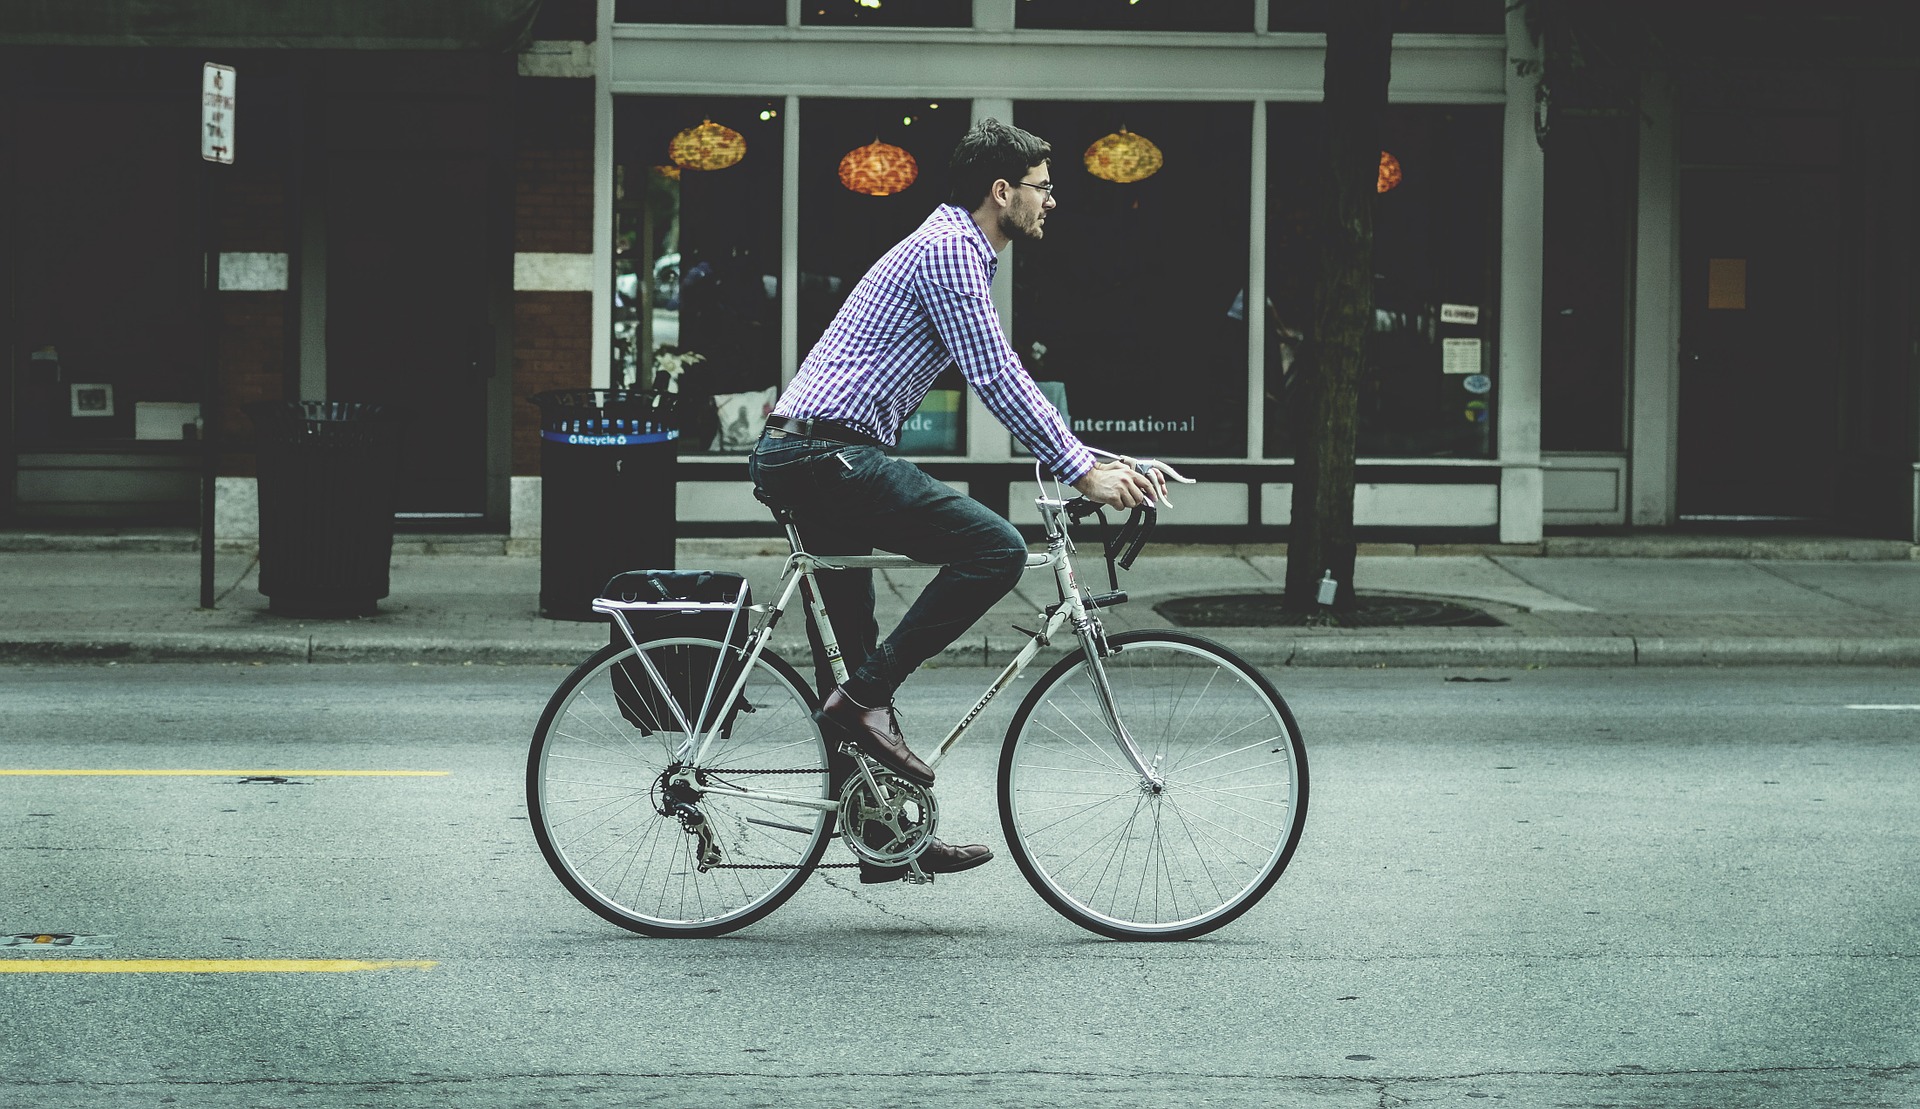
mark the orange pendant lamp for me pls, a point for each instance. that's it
(878, 169)
(709, 146)
(1124, 157)
(1389, 173)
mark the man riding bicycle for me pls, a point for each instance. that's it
(925, 305)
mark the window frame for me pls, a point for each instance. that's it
(1257, 67)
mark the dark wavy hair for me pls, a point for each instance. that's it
(991, 151)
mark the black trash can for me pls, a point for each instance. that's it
(607, 472)
(326, 504)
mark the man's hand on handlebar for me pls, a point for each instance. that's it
(1119, 485)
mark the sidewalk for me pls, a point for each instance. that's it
(1660, 601)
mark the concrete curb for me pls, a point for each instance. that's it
(157, 647)
(1808, 651)
(1265, 651)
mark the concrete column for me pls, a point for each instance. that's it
(1522, 272)
(1654, 392)
(993, 15)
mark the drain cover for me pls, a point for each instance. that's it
(52, 939)
(1262, 610)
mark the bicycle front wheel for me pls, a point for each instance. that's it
(633, 832)
(1121, 855)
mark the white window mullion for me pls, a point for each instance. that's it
(600, 348)
(987, 440)
(790, 240)
(1256, 301)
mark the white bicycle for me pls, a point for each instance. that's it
(1152, 784)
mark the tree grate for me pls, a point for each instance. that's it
(1265, 610)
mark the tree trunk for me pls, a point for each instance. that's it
(1320, 538)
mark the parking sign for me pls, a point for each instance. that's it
(216, 113)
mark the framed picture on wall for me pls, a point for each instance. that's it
(91, 400)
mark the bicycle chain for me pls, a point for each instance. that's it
(772, 866)
(780, 866)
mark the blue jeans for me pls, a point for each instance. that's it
(848, 500)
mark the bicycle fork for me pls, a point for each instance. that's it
(1093, 641)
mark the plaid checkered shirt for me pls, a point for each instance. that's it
(925, 305)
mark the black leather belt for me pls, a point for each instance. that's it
(822, 429)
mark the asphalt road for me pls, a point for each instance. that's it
(1551, 887)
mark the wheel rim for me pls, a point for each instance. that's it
(1129, 857)
(601, 784)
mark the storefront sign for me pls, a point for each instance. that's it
(1459, 313)
(1145, 425)
(934, 427)
(216, 113)
(1460, 356)
(608, 439)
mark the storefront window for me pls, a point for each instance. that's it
(1135, 15)
(1135, 300)
(104, 274)
(1591, 169)
(1413, 17)
(697, 258)
(729, 12)
(1428, 389)
(845, 227)
(899, 13)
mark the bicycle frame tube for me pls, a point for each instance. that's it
(799, 576)
(1012, 671)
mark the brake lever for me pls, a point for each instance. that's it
(1140, 524)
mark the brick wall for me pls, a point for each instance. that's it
(553, 201)
(553, 214)
(552, 350)
(253, 324)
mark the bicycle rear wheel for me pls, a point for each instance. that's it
(627, 840)
(1106, 848)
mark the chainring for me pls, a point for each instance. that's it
(889, 830)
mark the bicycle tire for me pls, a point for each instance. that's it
(610, 836)
(1107, 851)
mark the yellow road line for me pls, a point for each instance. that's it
(204, 966)
(230, 773)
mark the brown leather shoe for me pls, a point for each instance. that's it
(877, 733)
(938, 858)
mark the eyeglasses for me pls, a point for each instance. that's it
(1046, 188)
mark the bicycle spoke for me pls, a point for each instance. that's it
(610, 841)
(1181, 857)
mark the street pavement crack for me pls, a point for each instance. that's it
(859, 895)
(1816, 590)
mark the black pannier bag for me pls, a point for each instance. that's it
(686, 670)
